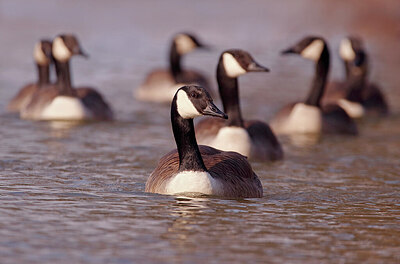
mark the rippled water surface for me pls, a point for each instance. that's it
(74, 193)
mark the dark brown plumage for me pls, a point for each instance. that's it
(335, 120)
(94, 101)
(231, 168)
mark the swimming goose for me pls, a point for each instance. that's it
(160, 85)
(251, 138)
(200, 169)
(62, 101)
(43, 59)
(309, 116)
(356, 95)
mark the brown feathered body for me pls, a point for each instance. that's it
(39, 101)
(230, 169)
(91, 99)
(22, 98)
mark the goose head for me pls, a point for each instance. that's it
(186, 42)
(237, 62)
(353, 54)
(193, 101)
(42, 52)
(65, 46)
(310, 47)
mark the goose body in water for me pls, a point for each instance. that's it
(200, 169)
(62, 101)
(309, 116)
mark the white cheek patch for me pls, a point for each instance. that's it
(39, 55)
(184, 44)
(60, 51)
(185, 107)
(233, 139)
(193, 182)
(346, 50)
(313, 50)
(232, 66)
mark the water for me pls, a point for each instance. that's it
(74, 193)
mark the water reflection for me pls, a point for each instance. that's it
(304, 140)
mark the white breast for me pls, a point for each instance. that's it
(65, 108)
(353, 109)
(193, 181)
(233, 139)
(304, 119)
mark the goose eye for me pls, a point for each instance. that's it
(193, 95)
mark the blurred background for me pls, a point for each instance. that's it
(75, 194)
(126, 39)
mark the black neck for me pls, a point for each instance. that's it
(175, 61)
(347, 69)
(321, 75)
(354, 87)
(189, 154)
(229, 92)
(44, 74)
(64, 78)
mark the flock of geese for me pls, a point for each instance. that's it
(219, 166)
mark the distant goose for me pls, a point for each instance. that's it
(42, 57)
(194, 169)
(309, 116)
(62, 101)
(160, 85)
(356, 95)
(250, 138)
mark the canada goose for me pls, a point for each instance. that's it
(161, 84)
(194, 169)
(309, 116)
(62, 101)
(251, 138)
(356, 95)
(42, 57)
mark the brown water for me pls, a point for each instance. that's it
(73, 193)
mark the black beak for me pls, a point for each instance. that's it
(212, 110)
(288, 51)
(204, 46)
(255, 67)
(83, 54)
